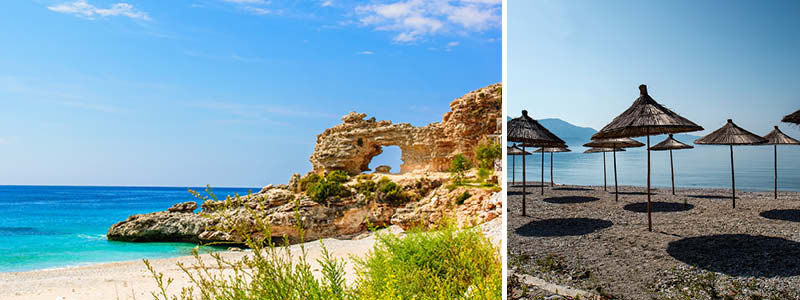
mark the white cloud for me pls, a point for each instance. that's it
(256, 2)
(367, 52)
(415, 19)
(82, 8)
(453, 44)
(258, 7)
(326, 3)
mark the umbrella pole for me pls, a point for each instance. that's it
(604, 172)
(542, 173)
(523, 180)
(733, 180)
(551, 169)
(672, 172)
(513, 169)
(649, 205)
(616, 187)
(776, 170)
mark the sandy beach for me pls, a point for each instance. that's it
(579, 237)
(132, 280)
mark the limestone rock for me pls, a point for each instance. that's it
(159, 227)
(185, 207)
(383, 169)
(351, 145)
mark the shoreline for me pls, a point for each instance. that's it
(131, 280)
(578, 236)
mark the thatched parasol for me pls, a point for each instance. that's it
(777, 137)
(551, 150)
(792, 118)
(645, 118)
(514, 152)
(614, 144)
(603, 150)
(671, 144)
(731, 135)
(526, 130)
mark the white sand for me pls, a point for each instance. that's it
(132, 280)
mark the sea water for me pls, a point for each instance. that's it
(45, 227)
(705, 166)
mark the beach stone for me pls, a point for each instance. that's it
(185, 207)
(383, 169)
(160, 226)
(267, 188)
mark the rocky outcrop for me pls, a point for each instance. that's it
(163, 226)
(184, 207)
(350, 146)
(424, 200)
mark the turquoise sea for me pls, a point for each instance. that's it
(702, 167)
(59, 226)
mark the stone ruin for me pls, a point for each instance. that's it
(350, 146)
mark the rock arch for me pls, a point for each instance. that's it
(350, 146)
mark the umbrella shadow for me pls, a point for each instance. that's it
(571, 189)
(518, 193)
(635, 193)
(562, 227)
(792, 215)
(710, 196)
(570, 199)
(641, 207)
(739, 254)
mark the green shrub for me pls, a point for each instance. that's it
(308, 181)
(463, 197)
(389, 192)
(338, 176)
(459, 165)
(366, 187)
(483, 174)
(486, 153)
(442, 264)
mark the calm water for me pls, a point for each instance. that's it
(59, 226)
(703, 166)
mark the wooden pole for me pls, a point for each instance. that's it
(604, 172)
(672, 171)
(542, 173)
(551, 169)
(513, 169)
(616, 187)
(649, 205)
(523, 180)
(733, 180)
(776, 169)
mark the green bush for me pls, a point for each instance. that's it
(483, 174)
(389, 192)
(486, 153)
(463, 197)
(366, 187)
(459, 166)
(442, 264)
(449, 263)
(308, 181)
(338, 176)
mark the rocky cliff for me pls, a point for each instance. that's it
(352, 204)
(351, 145)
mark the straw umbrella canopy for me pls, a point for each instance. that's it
(514, 151)
(731, 135)
(551, 150)
(645, 118)
(792, 118)
(603, 150)
(615, 144)
(777, 137)
(528, 131)
(671, 144)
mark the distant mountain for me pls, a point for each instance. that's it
(576, 136)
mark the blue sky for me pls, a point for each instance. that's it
(221, 92)
(582, 61)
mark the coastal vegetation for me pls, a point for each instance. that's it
(443, 262)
